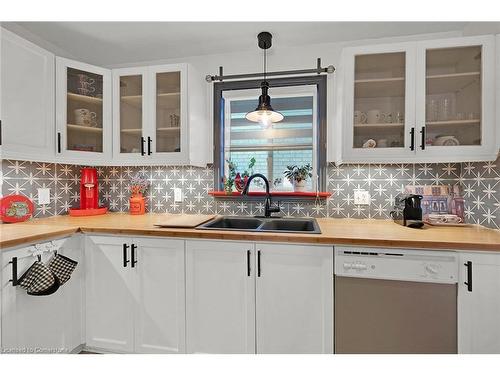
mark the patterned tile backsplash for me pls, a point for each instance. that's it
(480, 183)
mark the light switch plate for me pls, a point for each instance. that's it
(361, 197)
(177, 195)
(43, 196)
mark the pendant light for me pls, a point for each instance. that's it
(264, 113)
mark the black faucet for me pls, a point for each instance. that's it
(268, 209)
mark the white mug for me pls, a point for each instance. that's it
(359, 117)
(375, 116)
(84, 117)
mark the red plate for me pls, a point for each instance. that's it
(87, 211)
(15, 208)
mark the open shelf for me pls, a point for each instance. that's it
(84, 98)
(139, 130)
(446, 83)
(301, 194)
(379, 125)
(83, 128)
(379, 87)
(164, 100)
(453, 122)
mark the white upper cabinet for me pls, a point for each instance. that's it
(83, 106)
(379, 108)
(27, 99)
(455, 111)
(158, 116)
(429, 101)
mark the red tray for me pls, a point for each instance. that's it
(15, 208)
(87, 211)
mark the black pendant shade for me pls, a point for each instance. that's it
(264, 113)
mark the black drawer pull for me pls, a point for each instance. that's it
(422, 145)
(149, 146)
(125, 260)
(14, 271)
(142, 146)
(248, 262)
(134, 261)
(258, 263)
(468, 265)
(412, 139)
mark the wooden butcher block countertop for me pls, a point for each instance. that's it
(362, 232)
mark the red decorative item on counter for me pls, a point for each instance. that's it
(15, 208)
(137, 203)
(89, 195)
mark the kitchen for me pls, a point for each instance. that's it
(282, 190)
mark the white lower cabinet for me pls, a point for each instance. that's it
(42, 324)
(135, 294)
(294, 297)
(264, 298)
(109, 295)
(479, 303)
(220, 297)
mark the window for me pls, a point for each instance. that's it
(297, 140)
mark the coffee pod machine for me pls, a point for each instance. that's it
(408, 210)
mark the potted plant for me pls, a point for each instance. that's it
(138, 187)
(298, 176)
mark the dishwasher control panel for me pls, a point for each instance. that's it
(394, 264)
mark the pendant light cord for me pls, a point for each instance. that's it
(265, 63)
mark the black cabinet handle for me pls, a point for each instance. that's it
(249, 253)
(134, 261)
(149, 146)
(422, 145)
(142, 146)
(412, 139)
(258, 263)
(125, 260)
(14, 271)
(58, 142)
(468, 265)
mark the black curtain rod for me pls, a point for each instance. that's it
(318, 70)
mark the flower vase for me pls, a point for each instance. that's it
(137, 204)
(240, 183)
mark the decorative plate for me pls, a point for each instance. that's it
(15, 208)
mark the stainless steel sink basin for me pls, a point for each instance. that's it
(286, 225)
(249, 224)
(234, 223)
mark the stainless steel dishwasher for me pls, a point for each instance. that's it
(395, 301)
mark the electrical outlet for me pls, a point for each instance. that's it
(43, 196)
(177, 195)
(361, 197)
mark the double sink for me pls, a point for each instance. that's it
(262, 224)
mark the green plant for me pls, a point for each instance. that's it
(249, 171)
(139, 184)
(229, 180)
(297, 174)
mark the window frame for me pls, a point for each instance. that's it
(320, 81)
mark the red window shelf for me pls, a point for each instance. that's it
(305, 194)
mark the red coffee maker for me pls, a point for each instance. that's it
(89, 195)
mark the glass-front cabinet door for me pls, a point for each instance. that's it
(83, 110)
(129, 114)
(455, 89)
(380, 96)
(168, 108)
